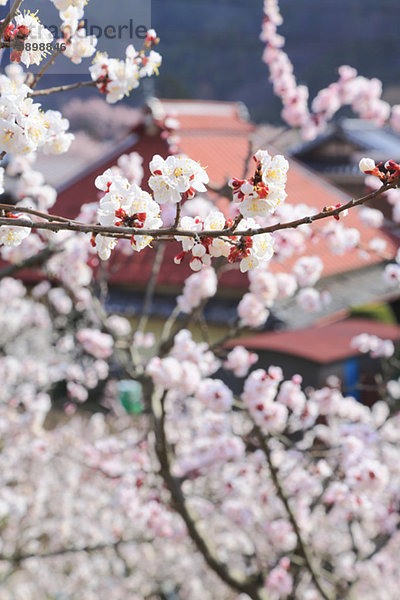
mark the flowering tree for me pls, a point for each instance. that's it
(274, 492)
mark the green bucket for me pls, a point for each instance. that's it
(130, 396)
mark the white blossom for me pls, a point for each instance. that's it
(174, 176)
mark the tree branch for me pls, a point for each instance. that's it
(292, 518)
(16, 559)
(178, 215)
(151, 286)
(32, 261)
(252, 586)
(63, 88)
(32, 211)
(44, 68)
(127, 232)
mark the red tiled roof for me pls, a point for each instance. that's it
(320, 344)
(214, 134)
(222, 153)
(201, 115)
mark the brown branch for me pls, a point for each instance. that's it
(151, 286)
(178, 215)
(309, 562)
(328, 480)
(250, 585)
(32, 261)
(247, 160)
(127, 232)
(66, 225)
(63, 88)
(234, 331)
(380, 543)
(32, 211)
(168, 336)
(16, 559)
(42, 71)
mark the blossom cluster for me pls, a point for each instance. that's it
(312, 300)
(14, 236)
(176, 178)
(117, 78)
(387, 172)
(126, 205)
(249, 251)
(341, 484)
(373, 345)
(378, 174)
(185, 367)
(362, 94)
(96, 343)
(198, 287)
(77, 45)
(31, 42)
(262, 193)
(374, 182)
(24, 127)
(239, 361)
(29, 39)
(38, 323)
(10, 236)
(267, 287)
(114, 77)
(259, 394)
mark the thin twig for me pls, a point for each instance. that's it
(32, 261)
(32, 211)
(63, 88)
(18, 558)
(178, 215)
(234, 331)
(42, 71)
(151, 286)
(292, 518)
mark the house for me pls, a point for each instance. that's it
(322, 351)
(335, 153)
